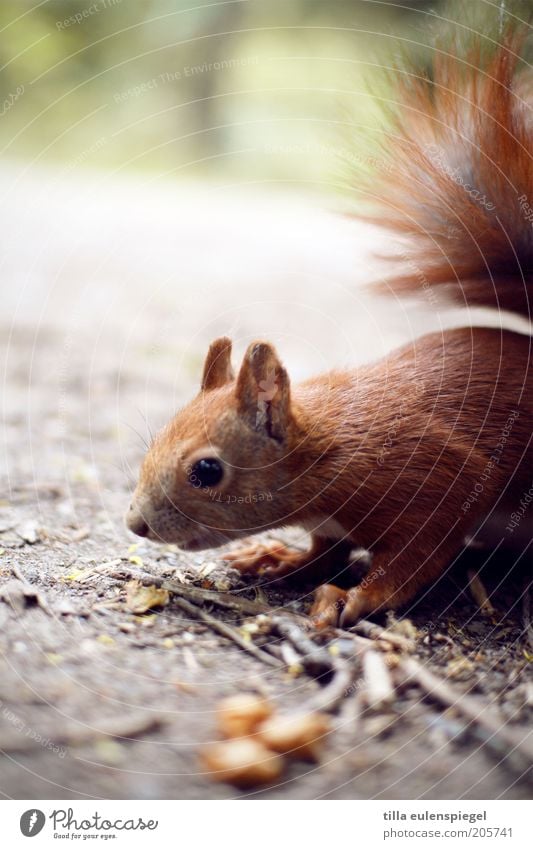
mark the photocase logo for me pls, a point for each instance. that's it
(32, 822)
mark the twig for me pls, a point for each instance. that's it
(42, 488)
(359, 642)
(289, 655)
(350, 710)
(506, 745)
(376, 632)
(526, 614)
(479, 593)
(318, 662)
(338, 689)
(379, 690)
(122, 727)
(226, 631)
(316, 659)
(197, 595)
(18, 574)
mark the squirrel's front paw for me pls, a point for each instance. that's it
(272, 559)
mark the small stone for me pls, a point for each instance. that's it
(28, 531)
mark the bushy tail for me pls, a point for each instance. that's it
(455, 177)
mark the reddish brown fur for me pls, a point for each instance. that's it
(470, 123)
(406, 456)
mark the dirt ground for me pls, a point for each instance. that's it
(111, 290)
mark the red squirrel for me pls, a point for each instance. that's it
(408, 455)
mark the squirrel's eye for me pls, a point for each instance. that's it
(206, 472)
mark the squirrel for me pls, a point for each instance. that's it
(406, 456)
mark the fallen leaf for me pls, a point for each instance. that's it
(140, 598)
(75, 575)
(136, 560)
(109, 751)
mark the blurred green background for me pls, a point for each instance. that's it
(251, 88)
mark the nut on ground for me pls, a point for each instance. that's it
(240, 715)
(244, 762)
(297, 736)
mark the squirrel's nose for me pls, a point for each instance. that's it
(136, 523)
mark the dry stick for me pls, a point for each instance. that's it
(505, 745)
(226, 631)
(197, 594)
(122, 727)
(222, 599)
(229, 601)
(350, 710)
(379, 690)
(338, 689)
(294, 629)
(318, 661)
(526, 614)
(376, 632)
(289, 655)
(479, 593)
(226, 600)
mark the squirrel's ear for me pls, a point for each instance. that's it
(217, 366)
(263, 391)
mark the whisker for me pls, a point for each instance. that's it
(139, 434)
(147, 424)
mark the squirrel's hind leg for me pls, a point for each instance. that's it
(333, 606)
(390, 583)
(328, 604)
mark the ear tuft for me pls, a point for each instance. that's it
(217, 366)
(263, 391)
